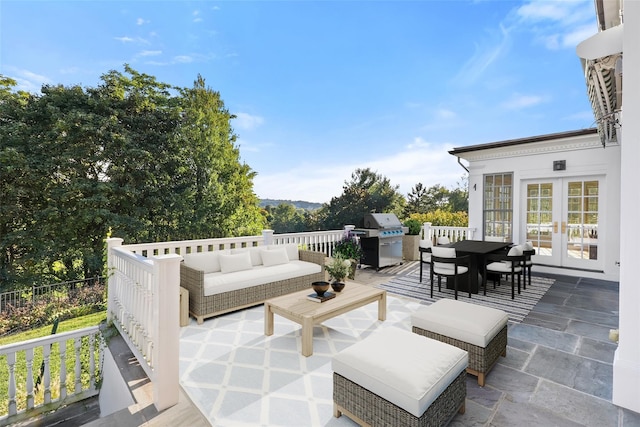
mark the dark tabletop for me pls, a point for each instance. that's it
(477, 246)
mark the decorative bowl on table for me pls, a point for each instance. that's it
(320, 287)
(337, 286)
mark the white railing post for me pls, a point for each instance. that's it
(112, 242)
(166, 331)
(267, 236)
(427, 233)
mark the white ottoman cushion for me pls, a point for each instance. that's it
(406, 369)
(463, 321)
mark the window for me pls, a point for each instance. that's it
(498, 205)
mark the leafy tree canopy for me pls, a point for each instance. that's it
(147, 160)
(367, 192)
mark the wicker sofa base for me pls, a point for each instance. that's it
(367, 408)
(481, 359)
(204, 306)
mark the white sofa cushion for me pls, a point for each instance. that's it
(404, 368)
(235, 262)
(255, 252)
(274, 257)
(291, 248)
(216, 283)
(208, 262)
(471, 323)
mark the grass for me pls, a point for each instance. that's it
(20, 368)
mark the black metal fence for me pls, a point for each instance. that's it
(52, 292)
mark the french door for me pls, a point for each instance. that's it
(562, 218)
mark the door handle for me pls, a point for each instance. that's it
(555, 226)
(564, 227)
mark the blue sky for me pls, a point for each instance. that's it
(321, 88)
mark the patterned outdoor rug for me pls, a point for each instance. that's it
(407, 283)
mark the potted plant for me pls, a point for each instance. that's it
(411, 240)
(338, 268)
(349, 248)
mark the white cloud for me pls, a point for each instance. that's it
(26, 80)
(486, 53)
(183, 59)
(141, 21)
(420, 161)
(126, 39)
(247, 121)
(519, 101)
(558, 24)
(150, 53)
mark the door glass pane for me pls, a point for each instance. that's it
(582, 220)
(539, 211)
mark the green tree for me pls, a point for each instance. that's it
(287, 219)
(366, 192)
(145, 159)
(416, 200)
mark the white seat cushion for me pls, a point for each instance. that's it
(502, 267)
(471, 323)
(217, 283)
(406, 369)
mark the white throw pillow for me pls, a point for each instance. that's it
(292, 250)
(208, 262)
(254, 252)
(235, 262)
(274, 257)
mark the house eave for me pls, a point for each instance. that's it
(530, 145)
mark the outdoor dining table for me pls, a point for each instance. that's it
(477, 251)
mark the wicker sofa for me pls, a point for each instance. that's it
(214, 289)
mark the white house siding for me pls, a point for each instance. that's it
(532, 158)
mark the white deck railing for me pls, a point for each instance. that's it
(142, 303)
(454, 234)
(23, 362)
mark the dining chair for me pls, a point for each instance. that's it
(425, 253)
(443, 240)
(445, 262)
(528, 252)
(510, 263)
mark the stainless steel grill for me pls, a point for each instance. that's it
(381, 240)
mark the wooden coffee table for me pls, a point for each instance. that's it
(297, 308)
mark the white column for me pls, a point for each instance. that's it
(112, 242)
(626, 363)
(166, 331)
(267, 236)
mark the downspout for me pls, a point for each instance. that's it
(463, 166)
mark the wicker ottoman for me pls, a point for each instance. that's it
(481, 331)
(397, 378)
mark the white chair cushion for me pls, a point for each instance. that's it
(514, 251)
(274, 257)
(448, 269)
(426, 243)
(528, 245)
(443, 252)
(471, 323)
(404, 368)
(502, 267)
(235, 262)
(443, 241)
